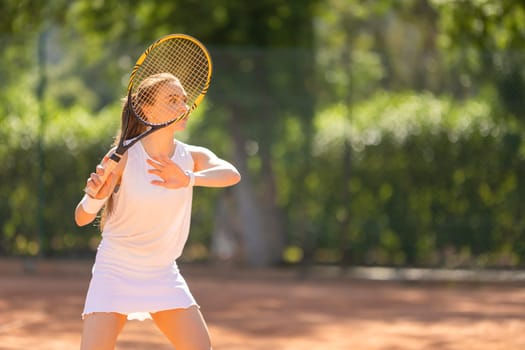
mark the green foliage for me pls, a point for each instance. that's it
(388, 131)
(432, 180)
(485, 41)
(73, 141)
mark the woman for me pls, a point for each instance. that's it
(145, 224)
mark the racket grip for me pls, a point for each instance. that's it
(109, 165)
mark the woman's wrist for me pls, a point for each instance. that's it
(191, 176)
(92, 205)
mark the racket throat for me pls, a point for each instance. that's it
(115, 157)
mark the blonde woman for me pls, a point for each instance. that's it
(145, 223)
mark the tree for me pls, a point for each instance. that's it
(485, 40)
(115, 32)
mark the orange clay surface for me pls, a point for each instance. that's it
(274, 309)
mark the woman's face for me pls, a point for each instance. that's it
(169, 104)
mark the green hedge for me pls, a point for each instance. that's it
(434, 182)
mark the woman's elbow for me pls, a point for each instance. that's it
(236, 178)
(80, 222)
(82, 218)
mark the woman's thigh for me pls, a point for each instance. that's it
(185, 328)
(101, 329)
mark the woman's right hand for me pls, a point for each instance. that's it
(96, 179)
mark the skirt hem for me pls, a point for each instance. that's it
(138, 315)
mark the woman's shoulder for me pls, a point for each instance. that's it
(200, 150)
(192, 148)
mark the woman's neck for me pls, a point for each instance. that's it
(159, 144)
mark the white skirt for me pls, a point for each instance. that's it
(136, 291)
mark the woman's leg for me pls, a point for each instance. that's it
(185, 328)
(100, 330)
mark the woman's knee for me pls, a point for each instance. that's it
(100, 330)
(185, 328)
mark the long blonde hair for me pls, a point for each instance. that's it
(132, 126)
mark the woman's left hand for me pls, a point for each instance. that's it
(171, 175)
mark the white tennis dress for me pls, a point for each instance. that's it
(135, 271)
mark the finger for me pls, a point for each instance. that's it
(157, 159)
(155, 164)
(99, 170)
(108, 185)
(90, 184)
(95, 179)
(154, 171)
(165, 159)
(110, 179)
(159, 183)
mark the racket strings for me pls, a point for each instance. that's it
(153, 84)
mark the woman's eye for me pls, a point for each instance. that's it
(179, 99)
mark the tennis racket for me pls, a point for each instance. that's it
(171, 62)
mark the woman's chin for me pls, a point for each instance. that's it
(181, 125)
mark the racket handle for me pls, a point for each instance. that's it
(109, 165)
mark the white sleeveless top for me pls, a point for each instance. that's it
(135, 272)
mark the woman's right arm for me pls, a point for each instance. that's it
(88, 207)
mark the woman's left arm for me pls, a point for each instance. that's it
(212, 171)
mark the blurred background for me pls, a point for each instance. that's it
(368, 133)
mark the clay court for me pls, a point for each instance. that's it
(276, 309)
